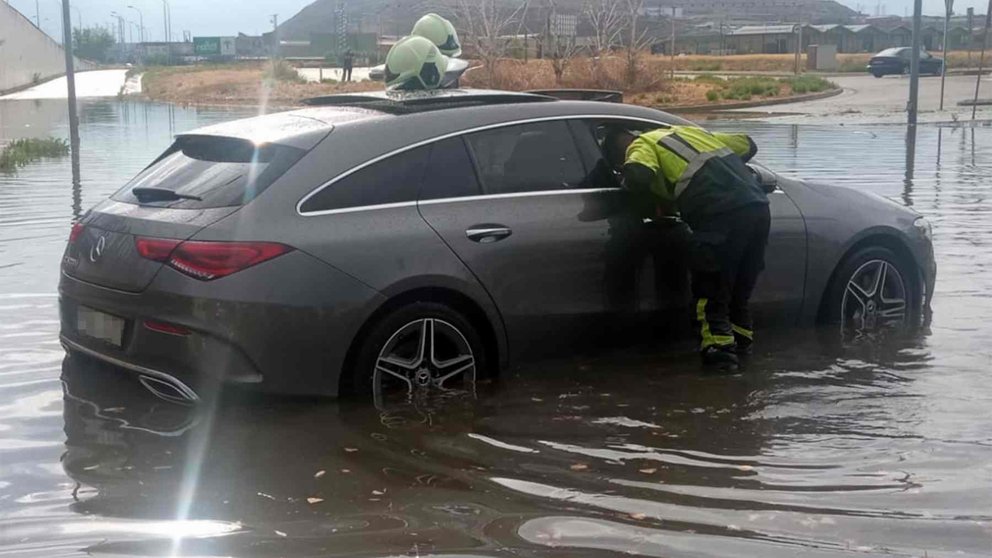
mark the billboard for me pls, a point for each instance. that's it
(214, 46)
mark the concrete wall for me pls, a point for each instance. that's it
(27, 54)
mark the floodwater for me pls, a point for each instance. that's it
(815, 450)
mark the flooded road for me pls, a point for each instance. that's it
(815, 450)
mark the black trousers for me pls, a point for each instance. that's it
(727, 256)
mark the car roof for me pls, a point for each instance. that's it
(892, 51)
(416, 115)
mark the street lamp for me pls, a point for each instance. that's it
(167, 20)
(141, 23)
(61, 23)
(121, 32)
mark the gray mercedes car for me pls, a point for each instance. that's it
(393, 243)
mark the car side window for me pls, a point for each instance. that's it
(394, 179)
(527, 158)
(450, 173)
(591, 138)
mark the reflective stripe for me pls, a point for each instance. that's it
(694, 166)
(704, 327)
(707, 339)
(745, 333)
(678, 147)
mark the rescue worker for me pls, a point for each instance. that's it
(703, 175)
(347, 66)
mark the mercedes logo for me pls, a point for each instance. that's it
(96, 251)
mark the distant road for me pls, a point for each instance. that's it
(870, 100)
(98, 83)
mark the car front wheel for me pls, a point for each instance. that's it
(422, 349)
(873, 292)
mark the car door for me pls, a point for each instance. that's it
(651, 263)
(512, 203)
(778, 296)
(647, 276)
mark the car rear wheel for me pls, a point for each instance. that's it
(421, 350)
(873, 293)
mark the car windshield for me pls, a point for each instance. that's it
(207, 171)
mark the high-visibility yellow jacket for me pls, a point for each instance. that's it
(704, 173)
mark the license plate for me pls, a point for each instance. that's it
(98, 325)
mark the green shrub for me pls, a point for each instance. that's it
(715, 80)
(280, 70)
(809, 84)
(745, 88)
(20, 152)
(712, 95)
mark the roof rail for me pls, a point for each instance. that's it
(400, 102)
(601, 95)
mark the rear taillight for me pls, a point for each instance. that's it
(77, 229)
(165, 327)
(208, 260)
(158, 249)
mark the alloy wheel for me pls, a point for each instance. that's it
(425, 355)
(875, 299)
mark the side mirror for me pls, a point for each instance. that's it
(765, 177)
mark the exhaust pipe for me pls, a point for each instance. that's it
(169, 389)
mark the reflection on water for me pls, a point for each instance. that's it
(815, 450)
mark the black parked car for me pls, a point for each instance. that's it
(419, 239)
(896, 61)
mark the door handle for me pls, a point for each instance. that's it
(484, 234)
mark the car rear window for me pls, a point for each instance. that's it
(220, 171)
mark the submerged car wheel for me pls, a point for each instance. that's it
(421, 350)
(872, 293)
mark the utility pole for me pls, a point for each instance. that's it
(981, 59)
(673, 42)
(949, 5)
(971, 32)
(37, 14)
(914, 64)
(275, 36)
(70, 80)
(799, 46)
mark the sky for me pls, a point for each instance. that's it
(228, 17)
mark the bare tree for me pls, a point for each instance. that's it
(560, 43)
(483, 27)
(607, 22)
(635, 39)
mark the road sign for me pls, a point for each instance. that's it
(227, 46)
(214, 46)
(206, 46)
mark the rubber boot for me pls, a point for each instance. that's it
(720, 358)
(745, 345)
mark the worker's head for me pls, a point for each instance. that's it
(415, 63)
(439, 31)
(615, 146)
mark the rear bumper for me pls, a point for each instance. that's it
(283, 326)
(181, 390)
